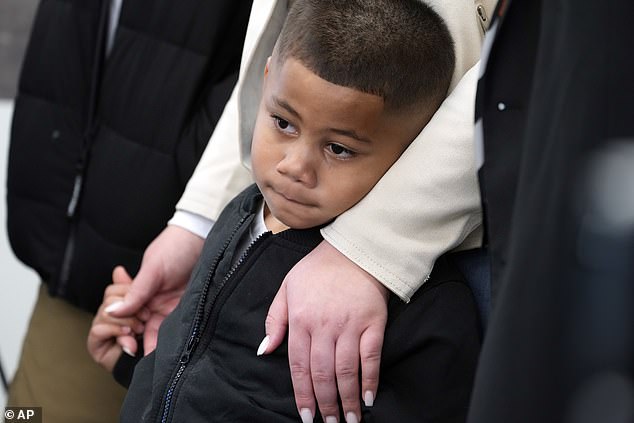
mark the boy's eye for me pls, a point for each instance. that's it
(284, 125)
(340, 151)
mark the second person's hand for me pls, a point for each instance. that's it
(165, 269)
(336, 315)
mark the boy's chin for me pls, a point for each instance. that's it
(296, 222)
(302, 223)
(298, 217)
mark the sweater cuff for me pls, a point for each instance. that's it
(361, 258)
(194, 223)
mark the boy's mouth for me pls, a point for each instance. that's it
(292, 198)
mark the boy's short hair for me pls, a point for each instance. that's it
(400, 50)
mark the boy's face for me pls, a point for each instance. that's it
(318, 148)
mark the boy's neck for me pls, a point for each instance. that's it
(272, 224)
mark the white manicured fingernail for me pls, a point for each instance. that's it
(306, 415)
(127, 351)
(368, 399)
(263, 346)
(351, 418)
(113, 307)
(331, 419)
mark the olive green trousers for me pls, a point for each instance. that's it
(56, 372)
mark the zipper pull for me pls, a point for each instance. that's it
(191, 344)
(74, 199)
(483, 19)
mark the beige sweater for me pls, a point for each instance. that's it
(426, 204)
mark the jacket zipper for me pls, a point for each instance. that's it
(197, 328)
(88, 137)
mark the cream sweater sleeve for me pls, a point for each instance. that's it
(426, 204)
(220, 174)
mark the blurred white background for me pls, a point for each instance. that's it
(18, 285)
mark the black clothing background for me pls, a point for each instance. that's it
(557, 89)
(121, 135)
(428, 360)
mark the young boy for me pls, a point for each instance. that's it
(349, 85)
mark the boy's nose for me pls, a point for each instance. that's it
(298, 165)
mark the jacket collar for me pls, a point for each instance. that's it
(250, 205)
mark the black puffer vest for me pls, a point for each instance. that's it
(101, 148)
(205, 368)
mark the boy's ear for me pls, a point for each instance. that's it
(266, 67)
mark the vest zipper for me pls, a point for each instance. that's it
(200, 322)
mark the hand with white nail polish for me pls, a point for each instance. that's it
(109, 336)
(335, 313)
(158, 286)
(306, 415)
(263, 345)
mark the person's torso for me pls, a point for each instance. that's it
(101, 149)
(205, 366)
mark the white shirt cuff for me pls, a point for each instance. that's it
(192, 222)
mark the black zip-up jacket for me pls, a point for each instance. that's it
(101, 148)
(205, 369)
(557, 94)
